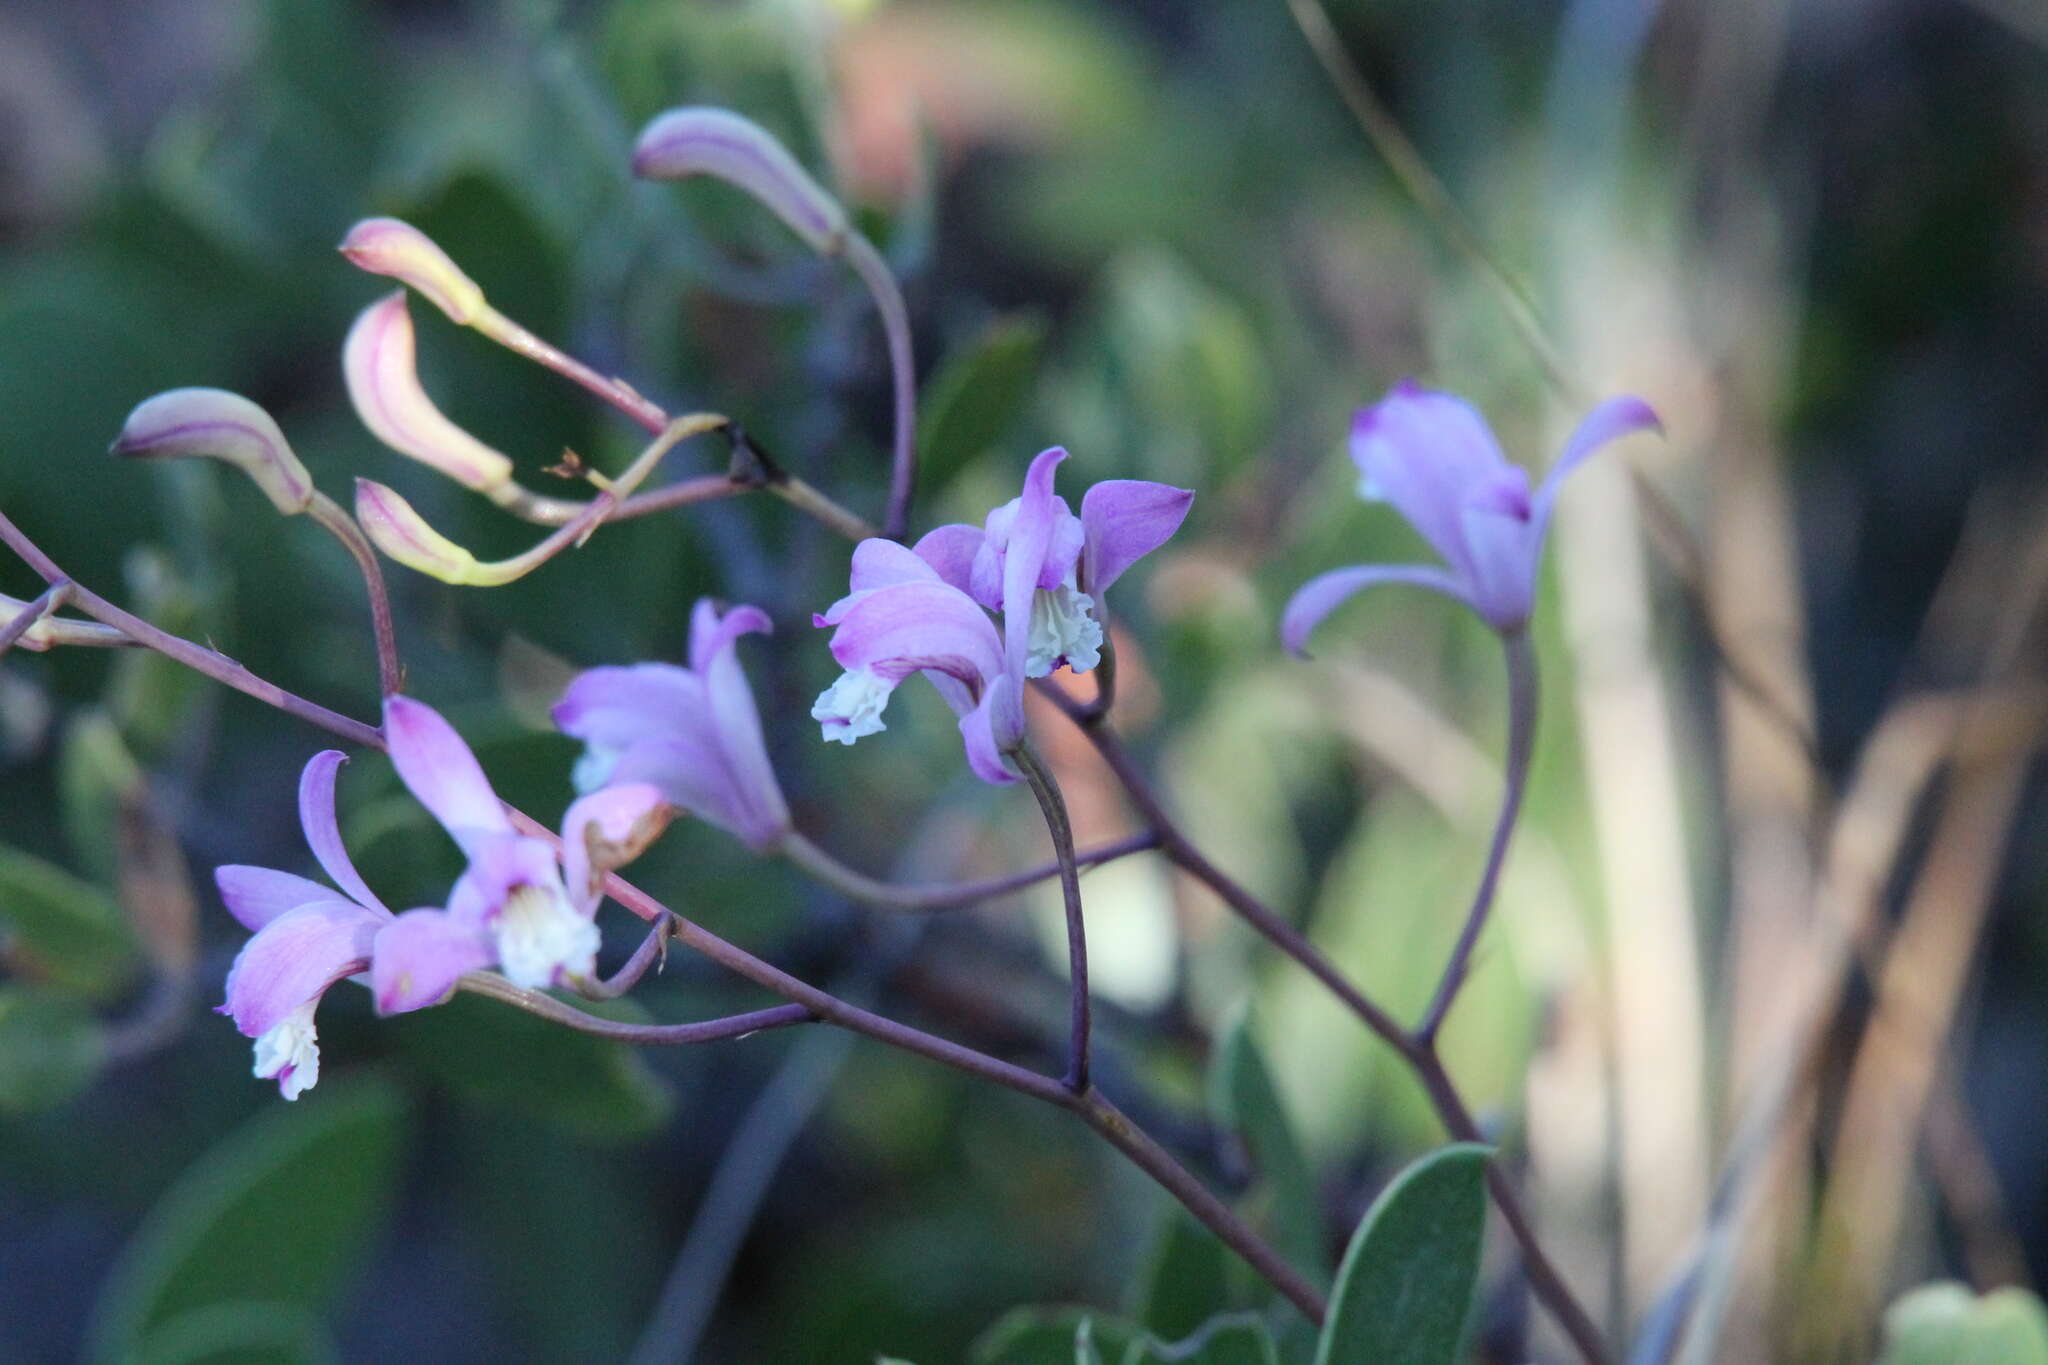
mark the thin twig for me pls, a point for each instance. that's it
(858, 886)
(342, 526)
(652, 949)
(881, 283)
(26, 619)
(656, 1035)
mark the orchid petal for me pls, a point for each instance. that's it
(1612, 420)
(877, 564)
(712, 635)
(607, 830)
(1030, 544)
(950, 550)
(296, 957)
(1323, 594)
(913, 626)
(700, 141)
(499, 865)
(257, 895)
(420, 955)
(379, 360)
(1424, 452)
(387, 246)
(1124, 520)
(758, 813)
(608, 708)
(1502, 554)
(442, 773)
(323, 834)
(984, 757)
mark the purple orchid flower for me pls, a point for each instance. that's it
(692, 734)
(1433, 457)
(1033, 560)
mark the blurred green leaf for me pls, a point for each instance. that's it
(151, 695)
(71, 931)
(1405, 1288)
(277, 1212)
(1084, 1344)
(1242, 1098)
(240, 1333)
(976, 397)
(1945, 1324)
(1227, 1339)
(95, 774)
(51, 1047)
(1186, 1279)
(1047, 1336)
(504, 1058)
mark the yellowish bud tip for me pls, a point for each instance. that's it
(221, 426)
(699, 141)
(395, 528)
(386, 246)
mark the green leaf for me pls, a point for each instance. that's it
(1944, 1324)
(1243, 1099)
(1186, 1280)
(279, 1212)
(95, 775)
(71, 932)
(1084, 1344)
(1405, 1288)
(240, 1333)
(51, 1047)
(1227, 1339)
(977, 396)
(504, 1058)
(1048, 1336)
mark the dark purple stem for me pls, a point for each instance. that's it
(342, 526)
(874, 273)
(652, 949)
(1054, 807)
(655, 1035)
(1521, 743)
(944, 895)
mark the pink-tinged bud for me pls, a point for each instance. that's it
(386, 246)
(699, 141)
(384, 384)
(395, 528)
(221, 426)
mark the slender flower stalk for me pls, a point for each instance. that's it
(687, 142)
(858, 886)
(1054, 807)
(1522, 708)
(27, 617)
(405, 535)
(640, 1035)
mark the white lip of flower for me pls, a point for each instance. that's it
(1063, 631)
(541, 938)
(288, 1053)
(594, 768)
(852, 706)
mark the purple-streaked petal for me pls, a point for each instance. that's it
(877, 564)
(701, 141)
(759, 815)
(984, 757)
(296, 957)
(387, 246)
(442, 773)
(379, 362)
(1612, 420)
(1031, 539)
(897, 631)
(418, 957)
(1323, 594)
(257, 895)
(323, 834)
(1426, 453)
(950, 550)
(222, 426)
(612, 707)
(1124, 520)
(607, 830)
(711, 635)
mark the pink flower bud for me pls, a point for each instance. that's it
(221, 426)
(699, 141)
(395, 528)
(379, 363)
(386, 246)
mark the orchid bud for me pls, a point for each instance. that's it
(222, 426)
(400, 532)
(700, 141)
(386, 246)
(384, 384)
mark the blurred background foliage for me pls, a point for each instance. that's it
(1812, 233)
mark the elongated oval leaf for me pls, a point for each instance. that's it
(241, 1334)
(1047, 1336)
(1186, 1280)
(1405, 1287)
(51, 1047)
(1243, 1100)
(70, 931)
(277, 1212)
(976, 397)
(1228, 1339)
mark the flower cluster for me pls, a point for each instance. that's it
(925, 609)
(510, 908)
